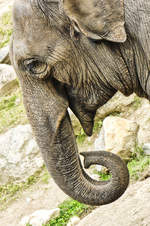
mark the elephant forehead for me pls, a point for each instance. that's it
(31, 34)
(27, 21)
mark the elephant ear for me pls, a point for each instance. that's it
(97, 19)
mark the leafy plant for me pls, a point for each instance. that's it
(139, 162)
(68, 209)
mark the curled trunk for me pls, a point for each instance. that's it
(63, 162)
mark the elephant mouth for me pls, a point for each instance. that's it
(84, 113)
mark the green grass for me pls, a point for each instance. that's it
(104, 176)
(97, 125)
(45, 177)
(5, 29)
(81, 136)
(68, 209)
(12, 111)
(10, 191)
(138, 163)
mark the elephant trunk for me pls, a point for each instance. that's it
(46, 106)
(65, 167)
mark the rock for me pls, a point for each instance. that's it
(99, 144)
(8, 79)
(19, 155)
(73, 221)
(40, 217)
(146, 148)
(116, 105)
(142, 117)
(132, 209)
(131, 108)
(4, 55)
(5, 6)
(119, 135)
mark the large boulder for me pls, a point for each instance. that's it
(40, 217)
(118, 104)
(19, 155)
(118, 135)
(132, 108)
(8, 79)
(142, 117)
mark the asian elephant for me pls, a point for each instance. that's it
(77, 54)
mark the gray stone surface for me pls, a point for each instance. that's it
(146, 148)
(40, 217)
(19, 154)
(132, 209)
(118, 135)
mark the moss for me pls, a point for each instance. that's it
(136, 103)
(12, 111)
(5, 29)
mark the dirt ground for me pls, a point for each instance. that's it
(39, 196)
(132, 209)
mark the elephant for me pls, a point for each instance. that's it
(78, 54)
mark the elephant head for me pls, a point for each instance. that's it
(49, 63)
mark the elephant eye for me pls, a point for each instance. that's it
(36, 67)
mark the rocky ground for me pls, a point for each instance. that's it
(132, 209)
(39, 196)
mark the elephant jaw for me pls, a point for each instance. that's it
(87, 121)
(85, 117)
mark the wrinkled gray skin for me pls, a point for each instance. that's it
(58, 68)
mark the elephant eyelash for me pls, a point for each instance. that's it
(35, 67)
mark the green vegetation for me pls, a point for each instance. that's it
(137, 102)
(12, 111)
(138, 164)
(97, 125)
(69, 209)
(5, 29)
(104, 175)
(10, 191)
(45, 176)
(80, 134)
